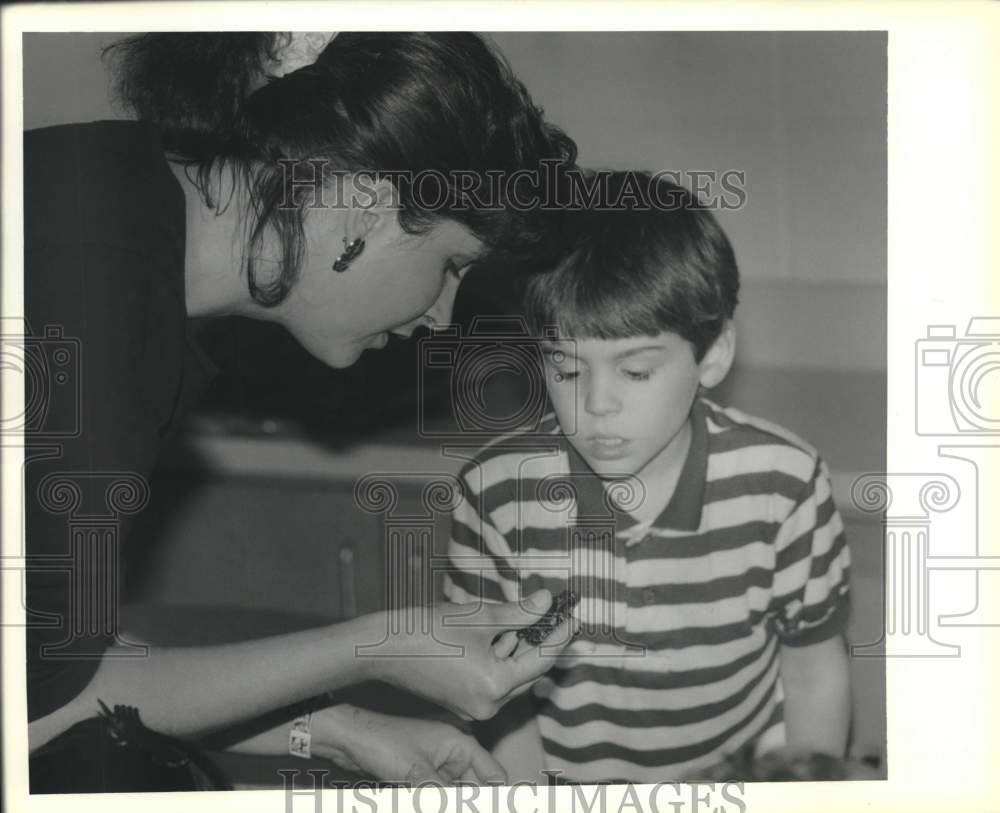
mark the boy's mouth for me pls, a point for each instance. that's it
(607, 447)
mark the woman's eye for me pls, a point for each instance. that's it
(451, 269)
(638, 375)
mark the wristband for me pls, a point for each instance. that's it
(300, 738)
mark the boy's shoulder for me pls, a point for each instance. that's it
(528, 451)
(746, 443)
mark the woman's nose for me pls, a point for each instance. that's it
(601, 398)
(440, 312)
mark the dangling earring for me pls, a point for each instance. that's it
(351, 251)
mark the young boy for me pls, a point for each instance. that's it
(704, 544)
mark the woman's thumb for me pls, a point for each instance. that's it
(530, 609)
(422, 772)
(540, 599)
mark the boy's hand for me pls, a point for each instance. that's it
(816, 679)
(457, 665)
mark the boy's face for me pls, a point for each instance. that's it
(629, 399)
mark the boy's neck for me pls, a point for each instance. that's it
(660, 476)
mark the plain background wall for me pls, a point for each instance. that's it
(802, 114)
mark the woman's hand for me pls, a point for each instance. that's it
(448, 655)
(190, 692)
(400, 749)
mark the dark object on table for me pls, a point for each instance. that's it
(558, 610)
(113, 752)
(790, 764)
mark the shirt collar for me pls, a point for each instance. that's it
(682, 513)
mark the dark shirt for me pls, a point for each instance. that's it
(111, 366)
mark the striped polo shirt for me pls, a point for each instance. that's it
(677, 663)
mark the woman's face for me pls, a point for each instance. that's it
(398, 282)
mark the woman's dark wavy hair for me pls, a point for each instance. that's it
(388, 104)
(643, 258)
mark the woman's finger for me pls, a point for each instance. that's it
(486, 767)
(506, 644)
(530, 662)
(516, 614)
(423, 772)
(468, 761)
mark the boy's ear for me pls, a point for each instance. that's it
(715, 364)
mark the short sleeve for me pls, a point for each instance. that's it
(811, 597)
(479, 557)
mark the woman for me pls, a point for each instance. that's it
(324, 199)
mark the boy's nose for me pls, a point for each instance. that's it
(601, 398)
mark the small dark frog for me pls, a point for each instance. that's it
(560, 607)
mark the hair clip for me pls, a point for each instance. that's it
(298, 49)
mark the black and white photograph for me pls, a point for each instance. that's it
(389, 405)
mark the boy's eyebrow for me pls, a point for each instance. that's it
(550, 348)
(635, 351)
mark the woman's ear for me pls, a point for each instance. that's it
(715, 364)
(373, 206)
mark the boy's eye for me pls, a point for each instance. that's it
(560, 364)
(638, 375)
